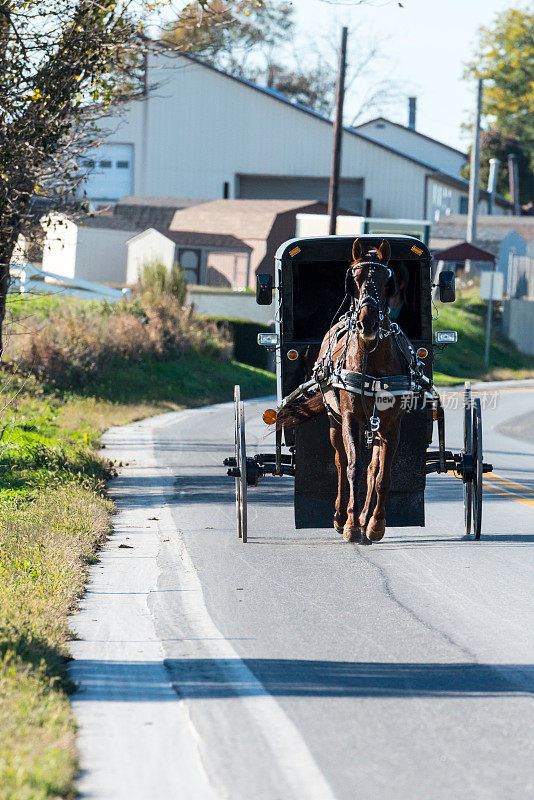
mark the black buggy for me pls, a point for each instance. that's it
(309, 282)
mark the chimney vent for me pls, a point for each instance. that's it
(513, 182)
(412, 105)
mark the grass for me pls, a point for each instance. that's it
(54, 516)
(465, 359)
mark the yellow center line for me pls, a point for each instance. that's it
(505, 493)
(518, 487)
(521, 494)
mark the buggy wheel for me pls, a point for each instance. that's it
(242, 465)
(237, 453)
(468, 486)
(477, 468)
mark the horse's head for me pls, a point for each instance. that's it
(370, 282)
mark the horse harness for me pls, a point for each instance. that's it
(328, 374)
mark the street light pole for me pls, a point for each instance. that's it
(333, 193)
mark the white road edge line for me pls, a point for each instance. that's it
(290, 752)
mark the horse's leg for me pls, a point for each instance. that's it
(350, 429)
(372, 471)
(340, 516)
(377, 524)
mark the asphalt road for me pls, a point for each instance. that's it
(298, 665)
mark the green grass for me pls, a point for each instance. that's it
(465, 359)
(54, 516)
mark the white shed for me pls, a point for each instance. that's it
(89, 248)
(209, 259)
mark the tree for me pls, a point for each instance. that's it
(248, 41)
(225, 32)
(60, 65)
(504, 58)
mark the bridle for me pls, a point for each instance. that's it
(370, 297)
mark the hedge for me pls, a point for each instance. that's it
(245, 336)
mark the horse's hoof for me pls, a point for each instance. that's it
(351, 534)
(363, 538)
(337, 527)
(375, 534)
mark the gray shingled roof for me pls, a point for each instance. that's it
(197, 239)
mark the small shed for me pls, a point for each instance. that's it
(91, 248)
(210, 259)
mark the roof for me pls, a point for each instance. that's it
(464, 252)
(107, 221)
(412, 130)
(159, 202)
(212, 240)
(245, 219)
(440, 174)
(494, 224)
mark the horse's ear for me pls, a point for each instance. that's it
(385, 251)
(356, 250)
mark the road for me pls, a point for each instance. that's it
(298, 665)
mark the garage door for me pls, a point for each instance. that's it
(280, 187)
(109, 172)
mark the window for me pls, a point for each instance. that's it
(89, 163)
(105, 164)
(123, 164)
(189, 261)
(464, 203)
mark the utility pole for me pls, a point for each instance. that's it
(333, 193)
(474, 172)
(488, 321)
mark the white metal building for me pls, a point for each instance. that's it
(202, 133)
(416, 144)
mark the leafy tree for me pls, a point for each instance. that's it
(61, 62)
(504, 58)
(224, 32)
(494, 144)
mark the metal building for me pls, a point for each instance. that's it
(199, 132)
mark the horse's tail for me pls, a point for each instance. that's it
(299, 410)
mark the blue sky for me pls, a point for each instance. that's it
(427, 43)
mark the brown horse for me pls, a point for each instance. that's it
(370, 347)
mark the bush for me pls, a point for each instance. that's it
(81, 341)
(244, 334)
(156, 282)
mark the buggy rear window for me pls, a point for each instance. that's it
(319, 287)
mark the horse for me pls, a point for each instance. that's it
(364, 342)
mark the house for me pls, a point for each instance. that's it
(199, 132)
(417, 144)
(210, 259)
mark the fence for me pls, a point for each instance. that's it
(520, 277)
(28, 279)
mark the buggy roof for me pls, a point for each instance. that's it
(336, 248)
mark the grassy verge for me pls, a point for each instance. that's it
(465, 359)
(53, 518)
